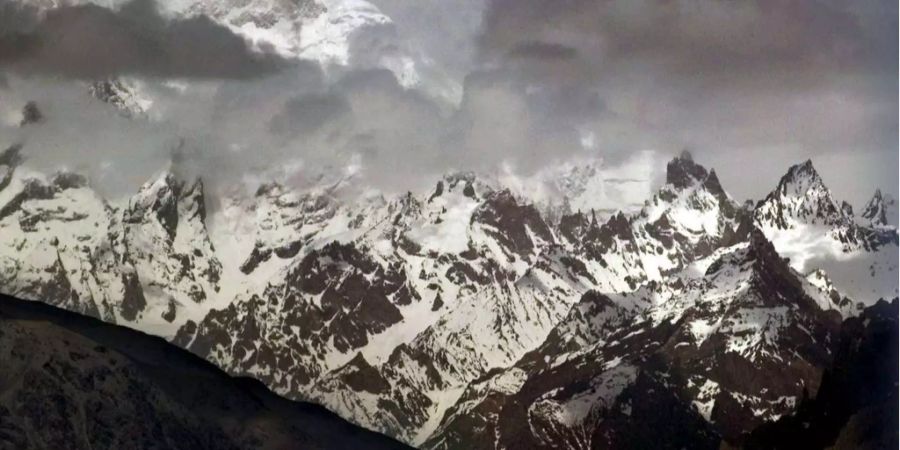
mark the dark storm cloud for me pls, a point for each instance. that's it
(91, 42)
(703, 37)
(512, 83)
(728, 78)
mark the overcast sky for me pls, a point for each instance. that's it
(749, 87)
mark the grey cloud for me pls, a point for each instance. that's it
(542, 50)
(440, 30)
(694, 38)
(723, 77)
(730, 80)
(308, 113)
(91, 42)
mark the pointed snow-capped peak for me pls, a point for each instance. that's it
(800, 197)
(800, 179)
(879, 209)
(163, 184)
(168, 199)
(692, 202)
(160, 197)
(683, 172)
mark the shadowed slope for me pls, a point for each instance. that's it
(69, 381)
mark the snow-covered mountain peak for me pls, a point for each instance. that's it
(880, 210)
(683, 172)
(807, 225)
(800, 179)
(160, 197)
(801, 197)
(691, 193)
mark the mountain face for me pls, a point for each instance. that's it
(147, 261)
(471, 314)
(726, 350)
(880, 210)
(69, 381)
(856, 406)
(807, 225)
(460, 281)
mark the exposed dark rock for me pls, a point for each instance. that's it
(876, 209)
(359, 375)
(511, 222)
(437, 303)
(649, 414)
(33, 190)
(469, 190)
(846, 209)
(77, 383)
(133, 301)
(31, 114)
(573, 227)
(682, 171)
(285, 251)
(11, 156)
(115, 93)
(438, 190)
(257, 256)
(169, 315)
(68, 180)
(856, 405)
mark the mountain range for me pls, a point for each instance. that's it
(469, 315)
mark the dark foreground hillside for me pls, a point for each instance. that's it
(73, 382)
(856, 405)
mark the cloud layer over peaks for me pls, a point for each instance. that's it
(92, 42)
(483, 85)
